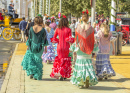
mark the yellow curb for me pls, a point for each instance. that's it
(21, 50)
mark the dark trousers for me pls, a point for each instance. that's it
(13, 14)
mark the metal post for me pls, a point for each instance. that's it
(34, 7)
(93, 11)
(46, 6)
(43, 7)
(113, 5)
(49, 8)
(60, 5)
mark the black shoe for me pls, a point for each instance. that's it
(31, 76)
(61, 78)
(35, 79)
(106, 78)
(65, 78)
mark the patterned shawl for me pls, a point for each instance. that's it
(85, 39)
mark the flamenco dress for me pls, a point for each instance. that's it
(32, 62)
(50, 55)
(83, 69)
(62, 63)
(103, 65)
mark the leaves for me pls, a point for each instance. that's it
(75, 7)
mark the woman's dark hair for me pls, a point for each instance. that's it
(63, 23)
(47, 23)
(52, 20)
(38, 20)
(74, 21)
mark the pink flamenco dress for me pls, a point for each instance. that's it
(62, 63)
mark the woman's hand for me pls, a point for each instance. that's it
(113, 52)
(45, 49)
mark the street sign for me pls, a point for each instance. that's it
(59, 14)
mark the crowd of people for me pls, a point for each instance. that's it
(59, 42)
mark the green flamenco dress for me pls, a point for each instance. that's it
(32, 61)
(83, 69)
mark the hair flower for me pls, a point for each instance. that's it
(83, 12)
(52, 17)
(87, 11)
(64, 16)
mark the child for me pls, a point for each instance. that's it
(103, 66)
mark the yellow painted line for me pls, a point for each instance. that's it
(21, 50)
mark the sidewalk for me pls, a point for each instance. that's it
(16, 80)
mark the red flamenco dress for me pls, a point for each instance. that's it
(62, 63)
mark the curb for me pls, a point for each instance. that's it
(7, 76)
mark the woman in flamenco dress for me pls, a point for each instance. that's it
(53, 24)
(62, 64)
(84, 74)
(37, 43)
(50, 55)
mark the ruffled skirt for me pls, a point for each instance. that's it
(61, 67)
(50, 55)
(103, 66)
(32, 63)
(83, 71)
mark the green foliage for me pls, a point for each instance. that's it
(75, 7)
(124, 6)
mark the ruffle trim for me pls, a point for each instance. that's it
(83, 71)
(79, 78)
(70, 39)
(54, 40)
(32, 65)
(61, 67)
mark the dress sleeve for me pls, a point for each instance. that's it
(54, 39)
(45, 41)
(70, 39)
(74, 48)
(28, 43)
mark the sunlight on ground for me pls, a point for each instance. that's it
(121, 63)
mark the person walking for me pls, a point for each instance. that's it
(62, 64)
(84, 74)
(103, 65)
(72, 26)
(22, 27)
(37, 41)
(50, 55)
(53, 24)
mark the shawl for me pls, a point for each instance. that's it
(85, 39)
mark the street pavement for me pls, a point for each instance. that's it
(16, 80)
(6, 51)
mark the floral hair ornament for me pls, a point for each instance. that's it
(64, 16)
(85, 12)
(52, 18)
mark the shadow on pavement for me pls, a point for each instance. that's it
(124, 55)
(120, 80)
(104, 88)
(51, 79)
